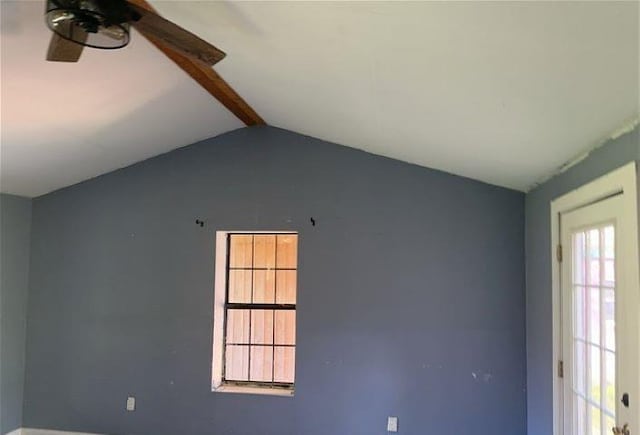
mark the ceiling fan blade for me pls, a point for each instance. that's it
(153, 25)
(64, 50)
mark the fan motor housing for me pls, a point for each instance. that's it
(93, 23)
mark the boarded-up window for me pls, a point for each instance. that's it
(260, 309)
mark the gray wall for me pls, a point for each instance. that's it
(15, 227)
(538, 269)
(411, 294)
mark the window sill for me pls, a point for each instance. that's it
(245, 389)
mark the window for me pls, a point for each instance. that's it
(255, 312)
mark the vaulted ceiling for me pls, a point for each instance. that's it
(502, 92)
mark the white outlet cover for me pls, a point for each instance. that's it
(392, 424)
(131, 403)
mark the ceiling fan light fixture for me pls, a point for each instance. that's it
(115, 32)
(58, 16)
(84, 23)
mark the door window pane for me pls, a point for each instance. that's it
(579, 265)
(580, 416)
(593, 331)
(610, 381)
(593, 240)
(596, 428)
(609, 273)
(609, 318)
(580, 364)
(609, 242)
(609, 424)
(579, 304)
(593, 271)
(594, 374)
(593, 314)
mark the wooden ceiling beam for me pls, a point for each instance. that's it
(206, 77)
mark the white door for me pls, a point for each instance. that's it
(599, 321)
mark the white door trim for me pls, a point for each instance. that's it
(620, 181)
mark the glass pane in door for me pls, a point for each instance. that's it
(593, 330)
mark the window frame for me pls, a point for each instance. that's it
(221, 294)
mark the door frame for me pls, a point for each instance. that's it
(621, 181)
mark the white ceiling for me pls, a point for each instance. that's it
(503, 92)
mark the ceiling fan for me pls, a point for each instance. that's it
(106, 24)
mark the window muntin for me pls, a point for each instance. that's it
(260, 310)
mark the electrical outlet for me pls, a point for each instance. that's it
(131, 404)
(392, 424)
